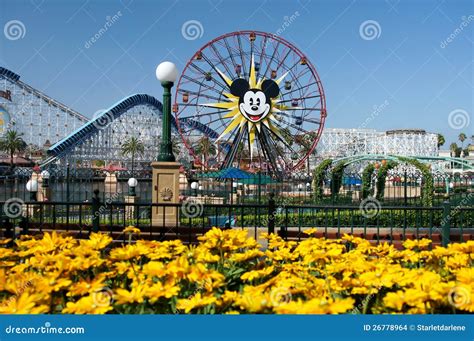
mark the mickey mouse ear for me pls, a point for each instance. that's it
(239, 87)
(270, 88)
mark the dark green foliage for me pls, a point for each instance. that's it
(318, 178)
(366, 180)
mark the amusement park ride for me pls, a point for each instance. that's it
(260, 98)
(252, 96)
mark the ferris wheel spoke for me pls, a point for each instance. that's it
(241, 55)
(199, 94)
(270, 148)
(221, 59)
(200, 83)
(204, 73)
(290, 125)
(283, 60)
(261, 56)
(226, 43)
(273, 56)
(299, 98)
(233, 149)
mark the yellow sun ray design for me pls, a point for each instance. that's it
(239, 121)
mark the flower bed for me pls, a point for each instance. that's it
(231, 273)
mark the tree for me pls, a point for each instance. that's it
(132, 147)
(453, 147)
(205, 148)
(462, 137)
(441, 140)
(11, 143)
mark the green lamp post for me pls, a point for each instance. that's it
(166, 73)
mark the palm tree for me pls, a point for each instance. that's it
(453, 147)
(12, 143)
(462, 137)
(133, 146)
(205, 148)
(441, 140)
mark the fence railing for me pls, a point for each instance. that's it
(402, 190)
(190, 218)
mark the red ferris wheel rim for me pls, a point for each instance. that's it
(279, 39)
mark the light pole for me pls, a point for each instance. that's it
(32, 187)
(166, 73)
(132, 183)
(194, 187)
(45, 177)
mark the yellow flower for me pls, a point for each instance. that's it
(243, 257)
(196, 301)
(410, 297)
(52, 283)
(311, 231)
(154, 268)
(255, 274)
(88, 305)
(86, 287)
(316, 306)
(158, 290)
(465, 275)
(131, 230)
(417, 243)
(136, 295)
(96, 241)
(25, 303)
(127, 252)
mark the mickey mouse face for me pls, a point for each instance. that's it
(254, 104)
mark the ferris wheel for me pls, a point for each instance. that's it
(255, 98)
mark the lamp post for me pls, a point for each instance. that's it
(32, 187)
(166, 73)
(194, 187)
(132, 183)
(45, 177)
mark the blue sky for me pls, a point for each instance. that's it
(408, 67)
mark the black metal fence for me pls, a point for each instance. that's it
(190, 218)
(404, 189)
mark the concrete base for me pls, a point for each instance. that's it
(110, 185)
(165, 190)
(131, 212)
